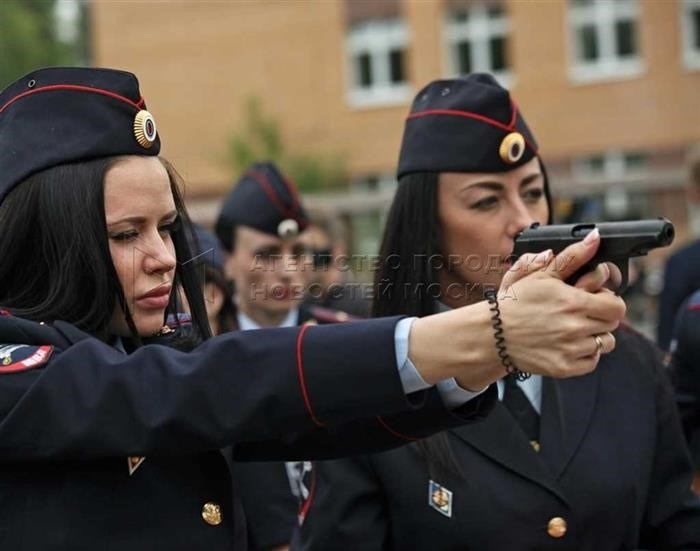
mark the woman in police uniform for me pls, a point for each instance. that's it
(595, 462)
(108, 438)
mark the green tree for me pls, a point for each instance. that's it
(261, 139)
(28, 38)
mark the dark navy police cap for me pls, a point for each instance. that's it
(207, 248)
(61, 115)
(466, 124)
(263, 199)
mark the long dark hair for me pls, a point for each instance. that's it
(406, 280)
(410, 244)
(56, 260)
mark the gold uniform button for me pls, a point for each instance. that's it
(211, 513)
(556, 527)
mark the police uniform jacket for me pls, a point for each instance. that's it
(685, 359)
(78, 417)
(274, 493)
(612, 473)
(681, 279)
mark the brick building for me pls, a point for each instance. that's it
(610, 88)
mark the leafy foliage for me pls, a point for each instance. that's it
(28, 38)
(261, 139)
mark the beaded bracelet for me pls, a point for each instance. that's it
(511, 368)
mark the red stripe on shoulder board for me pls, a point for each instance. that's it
(5, 313)
(40, 357)
(300, 371)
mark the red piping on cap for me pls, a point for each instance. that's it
(469, 115)
(292, 192)
(269, 190)
(514, 109)
(77, 88)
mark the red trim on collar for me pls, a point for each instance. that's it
(77, 88)
(5, 313)
(302, 383)
(393, 432)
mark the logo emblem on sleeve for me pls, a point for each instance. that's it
(512, 148)
(145, 129)
(440, 498)
(22, 357)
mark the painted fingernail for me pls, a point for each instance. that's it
(591, 237)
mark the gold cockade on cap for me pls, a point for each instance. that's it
(512, 148)
(145, 129)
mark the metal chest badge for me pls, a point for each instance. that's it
(440, 498)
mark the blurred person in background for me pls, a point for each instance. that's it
(330, 277)
(218, 300)
(685, 366)
(263, 225)
(596, 462)
(682, 271)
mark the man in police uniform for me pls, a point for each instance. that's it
(261, 225)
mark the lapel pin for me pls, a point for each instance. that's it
(440, 498)
(134, 463)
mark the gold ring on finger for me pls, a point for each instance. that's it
(598, 343)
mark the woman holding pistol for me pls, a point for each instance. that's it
(595, 462)
(112, 425)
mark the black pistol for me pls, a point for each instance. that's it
(619, 241)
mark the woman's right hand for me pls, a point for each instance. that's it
(549, 326)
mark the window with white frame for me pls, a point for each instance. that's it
(604, 39)
(690, 24)
(477, 41)
(376, 51)
(610, 165)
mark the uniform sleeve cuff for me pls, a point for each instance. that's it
(411, 381)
